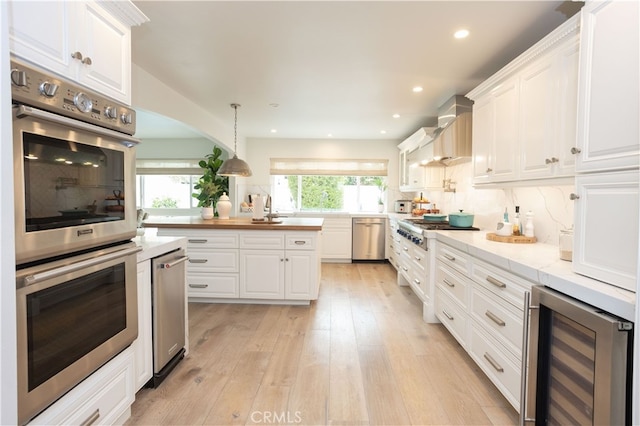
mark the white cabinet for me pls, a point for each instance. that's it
(524, 115)
(82, 41)
(482, 306)
(415, 151)
(336, 239)
(278, 265)
(606, 227)
(608, 102)
(256, 265)
(606, 207)
(105, 397)
(548, 96)
(143, 345)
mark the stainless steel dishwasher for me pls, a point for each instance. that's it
(168, 313)
(368, 240)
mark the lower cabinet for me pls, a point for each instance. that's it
(336, 239)
(143, 345)
(256, 265)
(482, 306)
(105, 397)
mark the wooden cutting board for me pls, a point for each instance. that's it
(514, 239)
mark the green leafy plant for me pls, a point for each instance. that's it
(210, 186)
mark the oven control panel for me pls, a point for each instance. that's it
(39, 89)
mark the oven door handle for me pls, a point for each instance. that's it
(27, 111)
(46, 275)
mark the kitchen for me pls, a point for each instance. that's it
(466, 197)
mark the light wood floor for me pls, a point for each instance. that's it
(359, 355)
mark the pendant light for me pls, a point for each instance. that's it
(235, 166)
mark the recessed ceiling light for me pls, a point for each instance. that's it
(274, 130)
(461, 33)
(396, 115)
(417, 89)
(383, 132)
(330, 135)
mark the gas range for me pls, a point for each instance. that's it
(415, 230)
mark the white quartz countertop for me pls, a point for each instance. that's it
(154, 246)
(541, 264)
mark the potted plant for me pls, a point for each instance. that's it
(382, 187)
(210, 186)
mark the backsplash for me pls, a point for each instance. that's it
(550, 204)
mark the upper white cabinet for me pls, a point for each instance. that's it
(495, 134)
(524, 115)
(608, 86)
(83, 41)
(415, 151)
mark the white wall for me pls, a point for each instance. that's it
(8, 363)
(176, 148)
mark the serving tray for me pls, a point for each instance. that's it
(514, 239)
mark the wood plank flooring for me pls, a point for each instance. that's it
(359, 355)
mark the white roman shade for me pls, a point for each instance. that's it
(161, 166)
(329, 167)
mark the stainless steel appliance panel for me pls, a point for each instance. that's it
(73, 315)
(368, 238)
(168, 290)
(579, 363)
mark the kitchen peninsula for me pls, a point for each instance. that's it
(238, 260)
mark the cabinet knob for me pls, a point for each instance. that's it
(575, 150)
(489, 169)
(87, 61)
(77, 55)
(574, 196)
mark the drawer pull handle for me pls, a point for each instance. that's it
(418, 258)
(449, 257)
(493, 363)
(405, 248)
(417, 281)
(300, 242)
(405, 268)
(448, 283)
(496, 282)
(446, 314)
(92, 418)
(493, 317)
(198, 285)
(197, 260)
(197, 241)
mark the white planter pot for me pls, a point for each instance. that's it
(207, 213)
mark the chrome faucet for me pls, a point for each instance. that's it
(270, 216)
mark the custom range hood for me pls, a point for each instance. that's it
(452, 139)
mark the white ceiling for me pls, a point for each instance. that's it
(331, 67)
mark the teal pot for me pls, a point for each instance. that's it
(434, 217)
(461, 219)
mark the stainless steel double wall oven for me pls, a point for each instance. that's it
(75, 213)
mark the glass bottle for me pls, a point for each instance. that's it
(566, 244)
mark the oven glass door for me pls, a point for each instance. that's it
(67, 183)
(72, 318)
(74, 185)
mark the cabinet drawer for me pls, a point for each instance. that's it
(504, 321)
(452, 283)
(262, 240)
(300, 242)
(501, 368)
(103, 397)
(204, 238)
(452, 316)
(454, 258)
(214, 260)
(502, 283)
(420, 258)
(209, 285)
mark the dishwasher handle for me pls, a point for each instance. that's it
(174, 263)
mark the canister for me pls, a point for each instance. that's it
(566, 244)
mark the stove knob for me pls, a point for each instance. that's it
(19, 78)
(126, 118)
(111, 112)
(48, 89)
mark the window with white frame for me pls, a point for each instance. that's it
(164, 186)
(328, 184)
